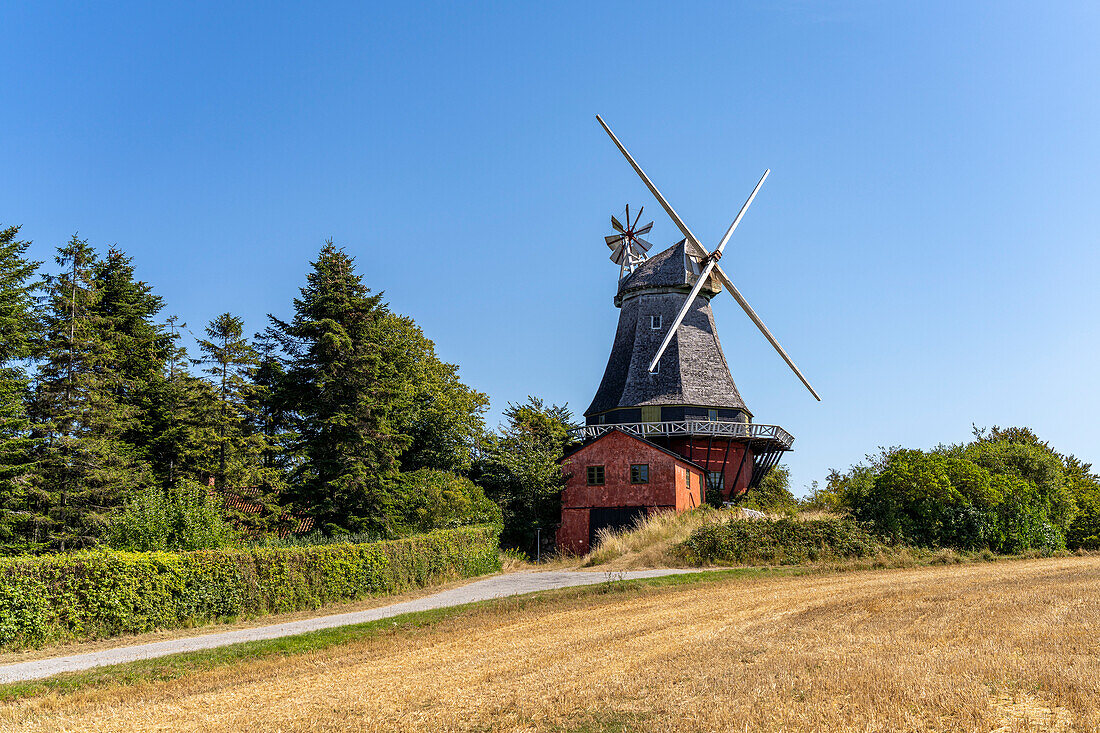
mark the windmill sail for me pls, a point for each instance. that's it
(710, 266)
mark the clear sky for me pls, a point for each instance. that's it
(925, 248)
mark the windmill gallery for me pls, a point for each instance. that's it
(667, 424)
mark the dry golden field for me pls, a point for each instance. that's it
(1006, 646)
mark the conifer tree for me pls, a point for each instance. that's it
(239, 447)
(19, 327)
(228, 357)
(178, 414)
(84, 465)
(127, 309)
(269, 412)
(340, 387)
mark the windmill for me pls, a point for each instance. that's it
(709, 266)
(628, 249)
(667, 428)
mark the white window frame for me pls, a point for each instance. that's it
(655, 322)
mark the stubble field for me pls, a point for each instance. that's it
(1006, 646)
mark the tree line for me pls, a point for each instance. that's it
(112, 431)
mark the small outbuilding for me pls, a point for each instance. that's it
(615, 479)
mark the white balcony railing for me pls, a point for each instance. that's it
(716, 428)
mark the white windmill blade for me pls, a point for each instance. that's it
(649, 184)
(642, 244)
(617, 225)
(618, 254)
(612, 240)
(745, 207)
(643, 230)
(764, 330)
(711, 262)
(683, 312)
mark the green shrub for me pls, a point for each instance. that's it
(430, 499)
(1006, 490)
(102, 593)
(780, 542)
(185, 517)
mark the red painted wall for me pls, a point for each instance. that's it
(668, 488)
(696, 450)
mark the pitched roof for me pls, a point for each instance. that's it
(672, 453)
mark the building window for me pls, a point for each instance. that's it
(716, 481)
(651, 414)
(595, 475)
(639, 473)
(712, 415)
(654, 322)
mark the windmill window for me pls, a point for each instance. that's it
(654, 322)
(712, 415)
(716, 481)
(639, 473)
(595, 475)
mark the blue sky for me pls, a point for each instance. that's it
(925, 248)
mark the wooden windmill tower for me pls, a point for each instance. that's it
(667, 395)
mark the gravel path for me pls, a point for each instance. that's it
(498, 586)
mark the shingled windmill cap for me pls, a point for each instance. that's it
(675, 268)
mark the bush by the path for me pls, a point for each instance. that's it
(102, 593)
(779, 542)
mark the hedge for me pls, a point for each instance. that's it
(779, 542)
(102, 593)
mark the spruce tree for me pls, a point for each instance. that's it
(19, 328)
(227, 358)
(341, 390)
(177, 417)
(126, 310)
(85, 467)
(239, 447)
(268, 411)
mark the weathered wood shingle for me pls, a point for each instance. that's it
(692, 370)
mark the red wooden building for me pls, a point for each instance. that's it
(618, 477)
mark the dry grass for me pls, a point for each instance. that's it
(1007, 646)
(649, 543)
